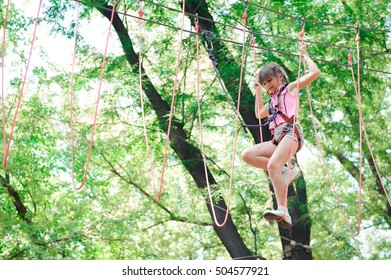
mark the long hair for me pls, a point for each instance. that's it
(271, 69)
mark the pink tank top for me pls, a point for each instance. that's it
(287, 106)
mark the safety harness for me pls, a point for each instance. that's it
(274, 111)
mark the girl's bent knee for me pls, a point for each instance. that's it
(273, 167)
(246, 155)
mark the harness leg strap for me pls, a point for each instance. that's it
(282, 135)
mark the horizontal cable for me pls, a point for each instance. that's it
(301, 19)
(226, 40)
(262, 34)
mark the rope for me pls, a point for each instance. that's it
(71, 98)
(97, 100)
(244, 17)
(249, 31)
(211, 56)
(362, 124)
(172, 102)
(196, 28)
(323, 158)
(252, 42)
(293, 126)
(140, 62)
(293, 246)
(6, 152)
(259, 120)
(312, 21)
(2, 80)
(209, 47)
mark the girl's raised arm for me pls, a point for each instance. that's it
(261, 111)
(313, 71)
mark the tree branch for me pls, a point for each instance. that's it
(20, 207)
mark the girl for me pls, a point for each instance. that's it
(281, 110)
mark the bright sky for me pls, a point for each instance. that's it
(59, 48)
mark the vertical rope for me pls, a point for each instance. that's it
(360, 127)
(294, 124)
(259, 120)
(6, 152)
(196, 29)
(323, 158)
(2, 81)
(71, 97)
(244, 21)
(244, 17)
(98, 98)
(140, 63)
(172, 103)
(358, 96)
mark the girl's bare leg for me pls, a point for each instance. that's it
(274, 166)
(259, 155)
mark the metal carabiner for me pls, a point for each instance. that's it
(208, 35)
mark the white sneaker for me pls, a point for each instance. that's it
(272, 215)
(292, 175)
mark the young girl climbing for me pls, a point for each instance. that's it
(273, 155)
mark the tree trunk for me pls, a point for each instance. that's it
(229, 71)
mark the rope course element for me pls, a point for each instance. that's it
(208, 36)
(293, 245)
(209, 47)
(324, 160)
(196, 28)
(172, 102)
(71, 97)
(361, 120)
(2, 79)
(140, 63)
(287, 252)
(253, 43)
(257, 33)
(248, 31)
(313, 21)
(97, 102)
(6, 151)
(244, 20)
(293, 125)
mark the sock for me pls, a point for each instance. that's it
(281, 207)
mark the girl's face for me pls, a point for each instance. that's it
(272, 83)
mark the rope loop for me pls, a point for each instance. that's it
(102, 70)
(197, 26)
(172, 107)
(244, 16)
(252, 41)
(6, 152)
(140, 12)
(302, 32)
(2, 80)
